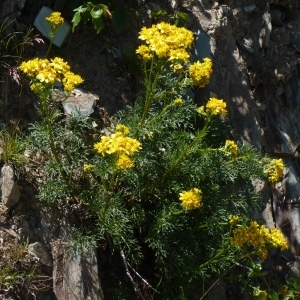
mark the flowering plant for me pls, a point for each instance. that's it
(158, 184)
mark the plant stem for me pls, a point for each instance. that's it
(200, 135)
(150, 89)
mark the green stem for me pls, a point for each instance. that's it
(47, 124)
(150, 89)
(213, 259)
(200, 135)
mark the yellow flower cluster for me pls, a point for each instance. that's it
(191, 199)
(88, 167)
(233, 219)
(232, 148)
(260, 294)
(119, 143)
(216, 107)
(274, 170)
(49, 71)
(55, 20)
(201, 72)
(259, 237)
(177, 102)
(165, 41)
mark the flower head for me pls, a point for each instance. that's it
(260, 237)
(216, 107)
(177, 102)
(274, 170)
(164, 40)
(71, 80)
(47, 72)
(117, 143)
(231, 148)
(88, 167)
(191, 199)
(233, 219)
(123, 129)
(124, 162)
(55, 20)
(201, 72)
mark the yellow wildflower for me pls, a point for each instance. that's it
(191, 199)
(260, 294)
(259, 237)
(178, 102)
(274, 170)
(165, 41)
(55, 20)
(117, 143)
(71, 80)
(124, 162)
(201, 72)
(144, 52)
(177, 68)
(233, 219)
(216, 107)
(88, 167)
(231, 147)
(48, 72)
(123, 129)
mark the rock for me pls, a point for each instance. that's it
(249, 8)
(75, 278)
(79, 103)
(6, 8)
(39, 251)
(9, 187)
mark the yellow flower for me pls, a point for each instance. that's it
(231, 147)
(144, 52)
(165, 41)
(259, 237)
(178, 102)
(260, 294)
(123, 129)
(48, 72)
(201, 72)
(216, 107)
(55, 20)
(71, 80)
(117, 143)
(191, 199)
(274, 170)
(177, 68)
(233, 220)
(124, 162)
(88, 167)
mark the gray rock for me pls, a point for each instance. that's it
(75, 278)
(39, 251)
(79, 103)
(249, 8)
(9, 187)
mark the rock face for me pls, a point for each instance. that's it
(75, 278)
(40, 252)
(10, 189)
(255, 46)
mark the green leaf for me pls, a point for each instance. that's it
(76, 19)
(96, 14)
(90, 6)
(98, 24)
(272, 295)
(182, 15)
